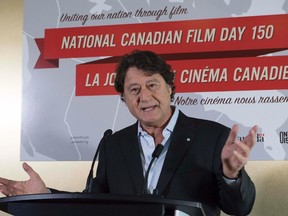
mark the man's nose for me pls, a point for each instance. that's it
(145, 94)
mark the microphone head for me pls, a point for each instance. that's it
(108, 132)
(157, 151)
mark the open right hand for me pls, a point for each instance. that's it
(32, 186)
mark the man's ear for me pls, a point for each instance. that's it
(122, 98)
(170, 89)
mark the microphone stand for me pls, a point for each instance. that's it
(156, 153)
(89, 180)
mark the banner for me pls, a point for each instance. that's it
(247, 34)
(237, 74)
(230, 61)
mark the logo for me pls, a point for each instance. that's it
(259, 138)
(283, 137)
(239, 138)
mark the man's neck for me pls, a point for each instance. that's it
(156, 131)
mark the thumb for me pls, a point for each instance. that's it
(28, 169)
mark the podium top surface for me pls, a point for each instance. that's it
(73, 203)
(90, 197)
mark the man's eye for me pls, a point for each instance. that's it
(134, 91)
(152, 86)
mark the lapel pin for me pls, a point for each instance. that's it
(188, 139)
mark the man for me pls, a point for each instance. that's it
(201, 161)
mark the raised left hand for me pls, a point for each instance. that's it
(235, 153)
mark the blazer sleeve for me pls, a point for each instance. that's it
(237, 198)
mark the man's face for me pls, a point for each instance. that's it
(147, 97)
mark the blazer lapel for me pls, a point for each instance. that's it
(182, 138)
(132, 157)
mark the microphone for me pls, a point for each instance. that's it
(89, 180)
(156, 153)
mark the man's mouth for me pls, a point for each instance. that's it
(147, 109)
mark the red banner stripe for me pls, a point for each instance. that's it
(265, 33)
(234, 74)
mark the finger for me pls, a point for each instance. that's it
(6, 190)
(250, 139)
(4, 181)
(241, 159)
(243, 148)
(233, 134)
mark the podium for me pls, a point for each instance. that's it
(97, 204)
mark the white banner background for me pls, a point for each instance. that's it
(57, 125)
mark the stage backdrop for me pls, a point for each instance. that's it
(230, 58)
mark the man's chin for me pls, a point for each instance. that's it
(148, 122)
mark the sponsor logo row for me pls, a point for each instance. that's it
(260, 137)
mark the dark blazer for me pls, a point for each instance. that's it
(192, 169)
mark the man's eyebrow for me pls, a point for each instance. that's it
(132, 85)
(153, 80)
(147, 82)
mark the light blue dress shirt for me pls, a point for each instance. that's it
(147, 146)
